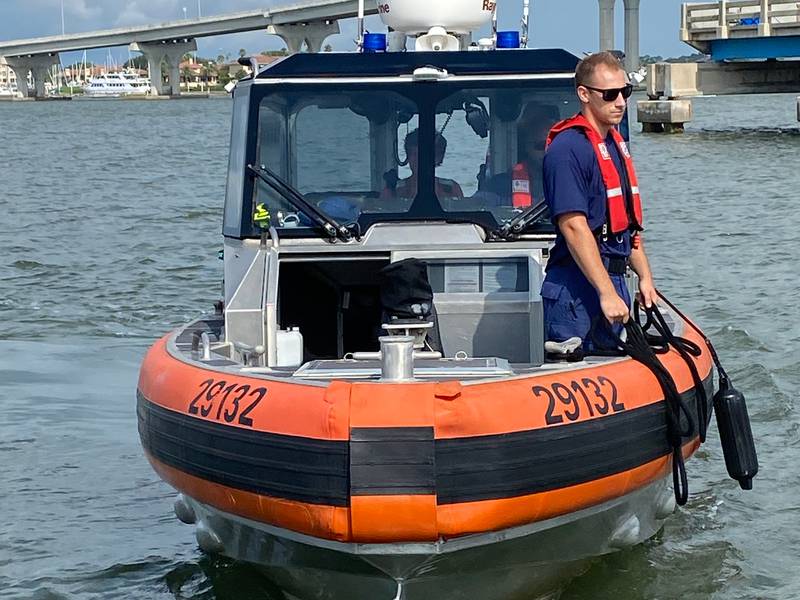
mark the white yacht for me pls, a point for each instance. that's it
(9, 92)
(113, 85)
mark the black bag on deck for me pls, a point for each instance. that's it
(406, 294)
(405, 290)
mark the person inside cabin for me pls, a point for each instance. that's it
(523, 183)
(446, 189)
(592, 192)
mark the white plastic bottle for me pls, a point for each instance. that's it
(290, 347)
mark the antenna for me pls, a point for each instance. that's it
(63, 31)
(525, 11)
(494, 23)
(360, 40)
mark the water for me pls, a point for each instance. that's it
(110, 227)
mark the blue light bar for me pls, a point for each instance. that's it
(508, 39)
(374, 42)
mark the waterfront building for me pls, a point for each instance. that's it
(198, 76)
(234, 70)
(8, 79)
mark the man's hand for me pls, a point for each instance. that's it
(647, 289)
(614, 308)
(583, 247)
(647, 292)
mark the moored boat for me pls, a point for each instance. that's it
(116, 85)
(370, 412)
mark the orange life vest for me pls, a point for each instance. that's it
(623, 213)
(520, 186)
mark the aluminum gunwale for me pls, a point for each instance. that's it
(442, 545)
(545, 369)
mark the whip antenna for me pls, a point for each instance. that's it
(525, 13)
(360, 40)
(494, 24)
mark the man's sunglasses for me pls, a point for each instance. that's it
(611, 95)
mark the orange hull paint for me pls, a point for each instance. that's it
(452, 410)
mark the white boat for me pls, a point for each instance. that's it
(372, 412)
(9, 92)
(114, 85)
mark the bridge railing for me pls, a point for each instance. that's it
(737, 18)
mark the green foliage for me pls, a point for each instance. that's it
(649, 60)
(137, 62)
(687, 58)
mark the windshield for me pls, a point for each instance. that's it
(340, 150)
(492, 147)
(431, 151)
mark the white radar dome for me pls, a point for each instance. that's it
(415, 17)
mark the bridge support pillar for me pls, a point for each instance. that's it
(764, 28)
(663, 116)
(631, 35)
(38, 65)
(606, 24)
(169, 52)
(722, 24)
(313, 34)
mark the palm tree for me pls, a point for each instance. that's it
(242, 52)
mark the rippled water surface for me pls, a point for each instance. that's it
(109, 228)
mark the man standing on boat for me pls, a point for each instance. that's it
(591, 189)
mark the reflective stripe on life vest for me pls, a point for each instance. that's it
(623, 213)
(520, 186)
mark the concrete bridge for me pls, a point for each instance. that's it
(631, 48)
(743, 29)
(306, 24)
(753, 47)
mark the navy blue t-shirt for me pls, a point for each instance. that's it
(573, 183)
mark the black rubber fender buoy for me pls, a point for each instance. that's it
(736, 435)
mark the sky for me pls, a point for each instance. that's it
(570, 24)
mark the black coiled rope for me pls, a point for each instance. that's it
(686, 349)
(644, 347)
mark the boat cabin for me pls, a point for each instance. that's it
(344, 163)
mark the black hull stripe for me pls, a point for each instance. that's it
(405, 460)
(283, 466)
(517, 464)
(392, 461)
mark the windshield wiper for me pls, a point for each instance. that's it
(329, 225)
(522, 221)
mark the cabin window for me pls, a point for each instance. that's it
(232, 221)
(341, 150)
(485, 134)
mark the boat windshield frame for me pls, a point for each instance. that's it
(425, 94)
